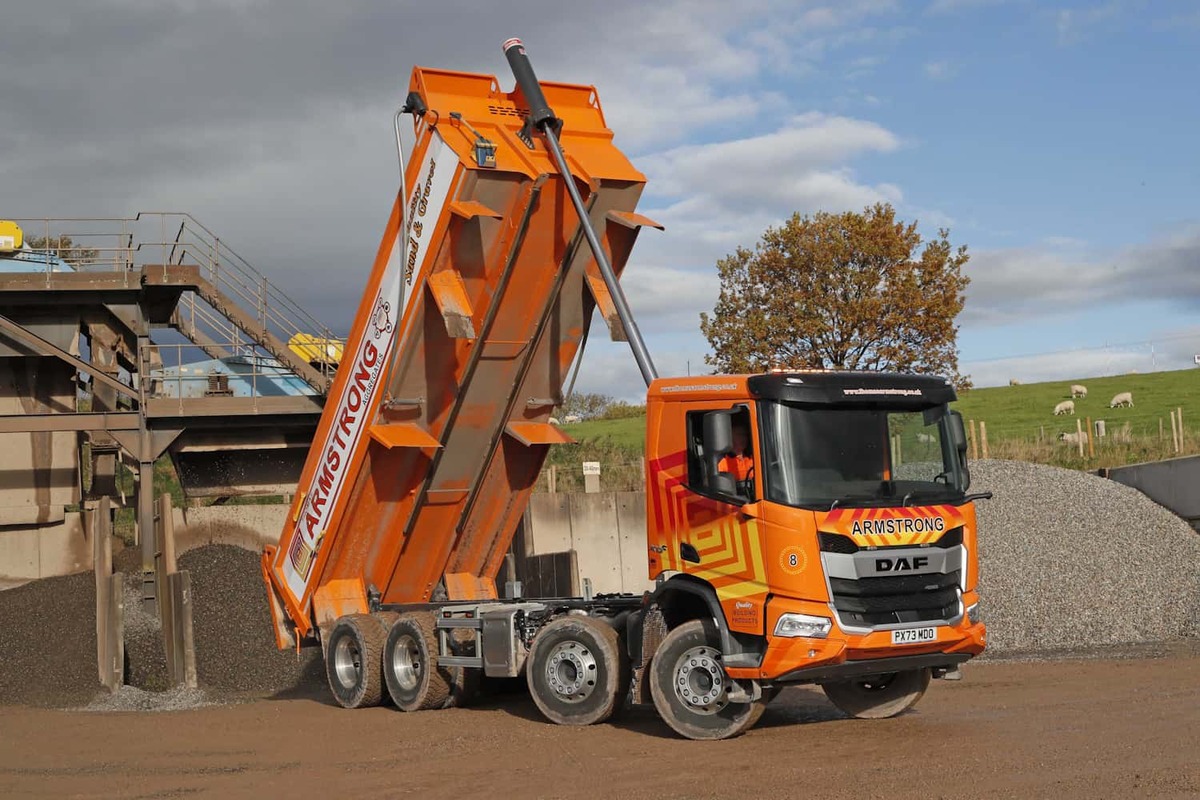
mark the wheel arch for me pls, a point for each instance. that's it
(682, 598)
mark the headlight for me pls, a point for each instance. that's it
(793, 625)
(973, 613)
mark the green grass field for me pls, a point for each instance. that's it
(1021, 423)
(1021, 412)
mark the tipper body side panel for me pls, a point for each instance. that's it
(438, 421)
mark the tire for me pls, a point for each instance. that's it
(353, 657)
(879, 696)
(688, 685)
(577, 672)
(410, 669)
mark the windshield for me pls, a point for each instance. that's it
(858, 457)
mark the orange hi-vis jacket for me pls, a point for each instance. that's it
(739, 466)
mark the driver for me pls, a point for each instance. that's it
(739, 462)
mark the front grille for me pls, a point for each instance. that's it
(951, 538)
(836, 543)
(894, 599)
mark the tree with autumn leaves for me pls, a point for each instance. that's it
(840, 291)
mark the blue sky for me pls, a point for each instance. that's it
(1057, 140)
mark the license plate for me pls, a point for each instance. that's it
(914, 636)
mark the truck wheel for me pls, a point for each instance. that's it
(410, 667)
(878, 696)
(577, 672)
(688, 684)
(352, 661)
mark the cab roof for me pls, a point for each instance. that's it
(814, 387)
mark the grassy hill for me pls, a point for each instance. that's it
(1021, 423)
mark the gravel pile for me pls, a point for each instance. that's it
(48, 642)
(235, 643)
(1069, 559)
(48, 639)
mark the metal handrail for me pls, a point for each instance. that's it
(189, 242)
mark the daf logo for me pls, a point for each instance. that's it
(901, 564)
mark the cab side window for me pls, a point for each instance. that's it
(738, 462)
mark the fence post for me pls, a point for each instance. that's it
(1161, 434)
(983, 437)
(1174, 433)
(974, 441)
(1079, 435)
(1091, 445)
(1179, 420)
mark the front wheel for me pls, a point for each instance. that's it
(879, 696)
(690, 687)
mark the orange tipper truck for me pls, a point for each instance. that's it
(844, 556)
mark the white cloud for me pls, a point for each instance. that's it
(940, 70)
(1023, 283)
(951, 6)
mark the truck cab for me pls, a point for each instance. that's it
(848, 551)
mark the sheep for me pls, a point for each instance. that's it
(1072, 438)
(1078, 390)
(571, 418)
(1065, 407)
(1013, 382)
(1122, 399)
(554, 421)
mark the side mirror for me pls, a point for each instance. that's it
(958, 437)
(958, 433)
(718, 440)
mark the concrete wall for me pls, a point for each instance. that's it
(60, 548)
(39, 473)
(248, 527)
(607, 530)
(1172, 483)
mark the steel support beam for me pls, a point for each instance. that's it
(82, 421)
(42, 347)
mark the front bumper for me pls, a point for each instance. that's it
(844, 655)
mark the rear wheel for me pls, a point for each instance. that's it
(410, 669)
(879, 696)
(690, 687)
(353, 656)
(577, 671)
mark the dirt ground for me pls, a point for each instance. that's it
(1113, 727)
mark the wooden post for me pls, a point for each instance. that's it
(983, 437)
(1042, 437)
(552, 479)
(1174, 433)
(167, 531)
(1179, 421)
(109, 593)
(162, 589)
(974, 441)
(1161, 435)
(1091, 444)
(1079, 435)
(184, 673)
(115, 674)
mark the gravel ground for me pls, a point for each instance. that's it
(131, 698)
(1068, 559)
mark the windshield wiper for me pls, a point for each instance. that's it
(920, 492)
(853, 498)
